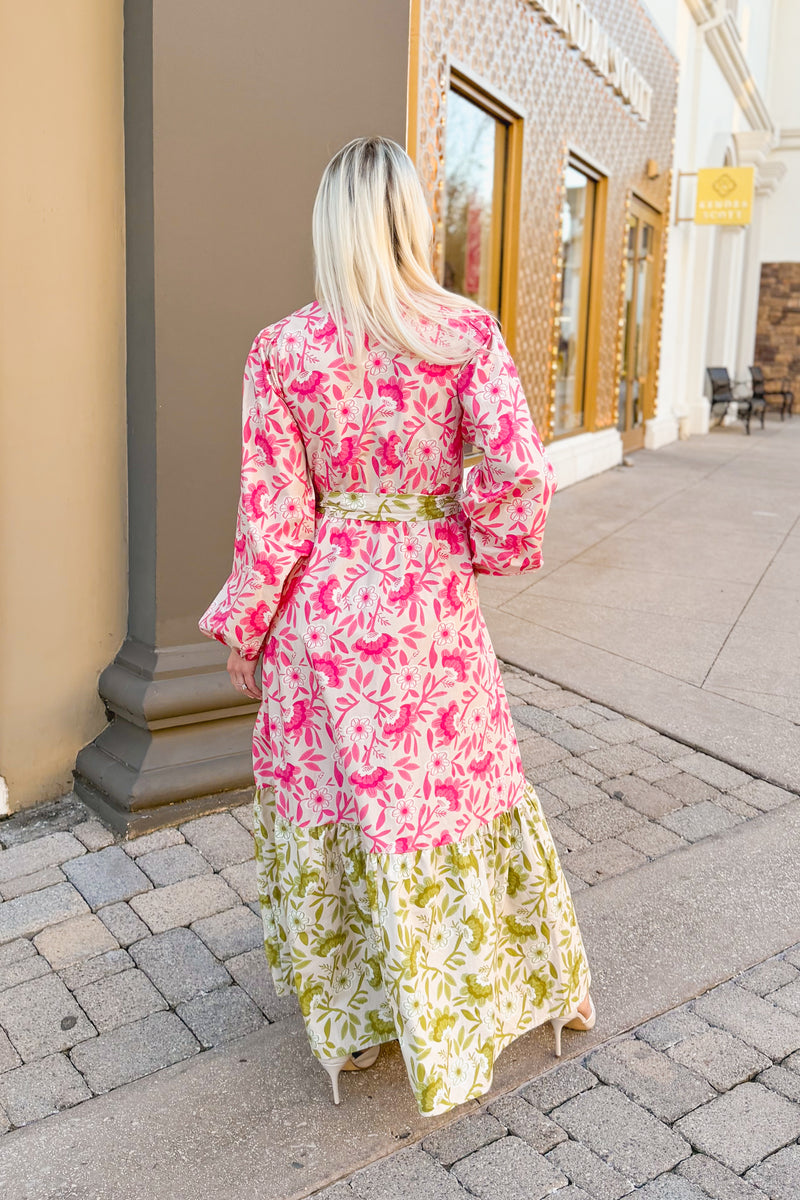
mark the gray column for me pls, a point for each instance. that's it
(230, 118)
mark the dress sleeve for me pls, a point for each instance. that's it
(506, 497)
(275, 521)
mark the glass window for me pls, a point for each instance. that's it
(577, 245)
(475, 167)
(636, 377)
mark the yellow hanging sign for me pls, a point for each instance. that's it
(724, 196)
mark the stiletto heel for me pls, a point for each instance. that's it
(359, 1060)
(558, 1024)
(575, 1020)
(333, 1066)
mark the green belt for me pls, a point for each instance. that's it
(388, 506)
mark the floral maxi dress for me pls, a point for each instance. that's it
(409, 884)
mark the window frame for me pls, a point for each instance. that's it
(507, 214)
(592, 268)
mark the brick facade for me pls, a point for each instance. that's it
(778, 331)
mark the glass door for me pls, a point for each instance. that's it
(637, 366)
(572, 327)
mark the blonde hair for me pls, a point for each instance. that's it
(372, 244)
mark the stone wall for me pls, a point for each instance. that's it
(778, 332)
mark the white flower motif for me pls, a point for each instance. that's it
(294, 677)
(320, 798)
(342, 980)
(366, 597)
(494, 391)
(537, 953)
(521, 510)
(360, 728)
(446, 634)
(317, 1040)
(404, 810)
(460, 1071)
(349, 410)
(476, 719)
(428, 451)
(376, 363)
(439, 763)
(441, 937)
(411, 545)
(473, 886)
(315, 637)
(297, 920)
(407, 677)
(509, 1005)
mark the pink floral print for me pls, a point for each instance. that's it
(383, 704)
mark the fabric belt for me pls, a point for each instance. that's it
(388, 506)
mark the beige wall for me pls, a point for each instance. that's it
(62, 437)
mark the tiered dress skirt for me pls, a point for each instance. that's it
(454, 950)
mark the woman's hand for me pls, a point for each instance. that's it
(243, 675)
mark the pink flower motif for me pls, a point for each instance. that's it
(256, 620)
(387, 454)
(301, 710)
(326, 334)
(433, 372)
(452, 593)
(255, 500)
(267, 567)
(455, 662)
(324, 599)
(344, 541)
(310, 386)
(401, 723)
(446, 795)
(407, 589)
(445, 722)
(330, 666)
(376, 648)
(480, 766)
(285, 774)
(392, 393)
(373, 781)
(348, 450)
(504, 434)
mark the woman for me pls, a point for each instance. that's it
(409, 884)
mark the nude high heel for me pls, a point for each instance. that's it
(359, 1060)
(575, 1020)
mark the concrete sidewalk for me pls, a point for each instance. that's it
(144, 1054)
(113, 979)
(671, 592)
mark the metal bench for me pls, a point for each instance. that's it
(722, 394)
(764, 390)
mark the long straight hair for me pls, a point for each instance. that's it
(372, 257)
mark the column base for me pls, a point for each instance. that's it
(178, 743)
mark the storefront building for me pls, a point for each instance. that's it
(169, 168)
(738, 106)
(543, 133)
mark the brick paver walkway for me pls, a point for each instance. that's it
(119, 957)
(703, 1101)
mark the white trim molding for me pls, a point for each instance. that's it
(718, 24)
(788, 139)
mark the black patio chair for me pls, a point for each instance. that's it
(764, 390)
(722, 394)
